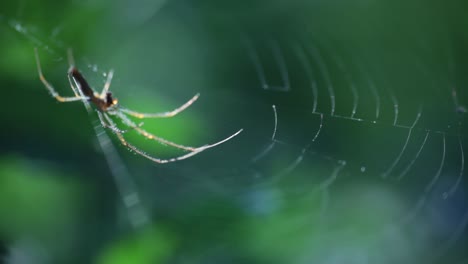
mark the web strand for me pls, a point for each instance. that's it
(273, 139)
(408, 137)
(308, 71)
(373, 90)
(455, 186)
(315, 54)
(275, 49)
(410, 165)
(441, 166)
(350, 82)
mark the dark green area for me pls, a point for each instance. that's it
(333, 187)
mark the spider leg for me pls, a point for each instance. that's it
(148, 135)
(142, 153)
(76, 88)
(110, 74)
(107, 124)
(221, 141)
(103, 117)
(72, 85)
(71, 60)
(163, 114)
(71, 64)
(50, 88)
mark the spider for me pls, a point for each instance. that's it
(106, 106)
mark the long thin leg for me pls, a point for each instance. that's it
(103, 118)
(107, 124)
(164, 114)
(72, 85)
(142, 153)
(221, 141)
(71, 60)
(148, 135)
(50, 87)
(76, 88)
(110, 74)
(71, 65)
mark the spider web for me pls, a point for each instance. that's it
(331, 123)
(443, 186)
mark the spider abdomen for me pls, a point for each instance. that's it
(88, 91)
(83, 84)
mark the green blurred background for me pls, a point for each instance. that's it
(367, 162)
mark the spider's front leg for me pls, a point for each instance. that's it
(50, 88)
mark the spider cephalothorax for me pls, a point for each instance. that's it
(107, 106)
(110, 101)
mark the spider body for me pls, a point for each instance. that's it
(108, 108)
(103, 103)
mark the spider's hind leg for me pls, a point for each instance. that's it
(140, 152)
(107, 122)
(148, 135)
